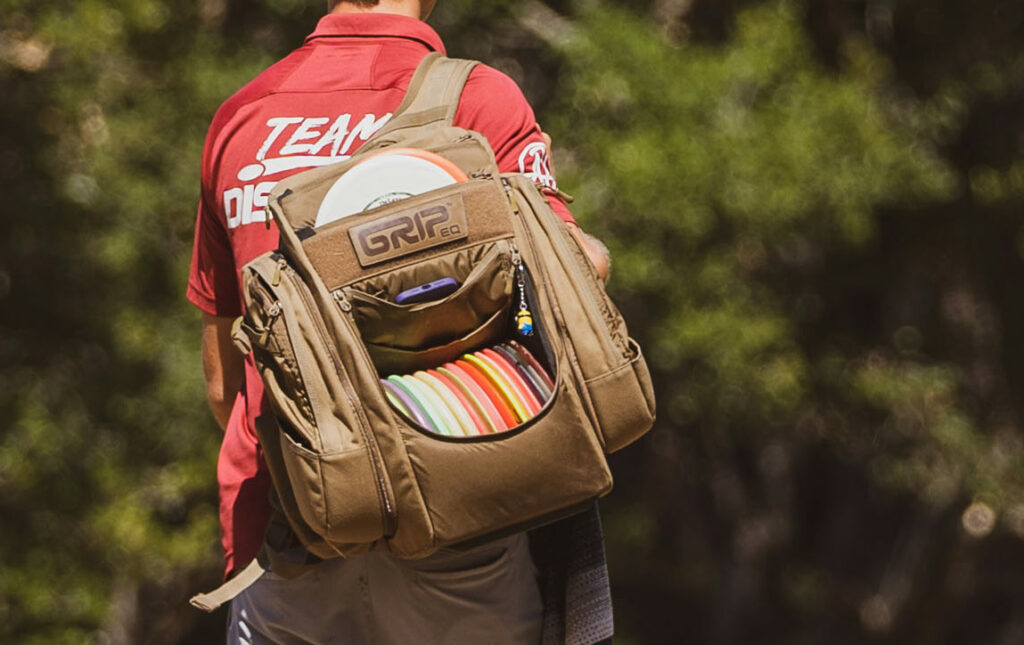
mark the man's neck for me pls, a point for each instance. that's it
(409, 8)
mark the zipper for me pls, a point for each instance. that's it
(557, 192)
(281, 264)
(530, 295)
(346, 306)
(387, 507)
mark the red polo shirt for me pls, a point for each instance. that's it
(314, 107)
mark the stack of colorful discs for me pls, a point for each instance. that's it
(487, 391)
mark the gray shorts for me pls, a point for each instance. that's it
(486, 595)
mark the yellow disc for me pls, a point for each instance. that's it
(506, 391)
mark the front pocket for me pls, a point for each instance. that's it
(478, 487)
(494, 379)
(338, 499)
(486, 282)
(390, 360)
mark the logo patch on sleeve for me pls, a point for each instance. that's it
(535, 163)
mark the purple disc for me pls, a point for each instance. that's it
(414, 409)
(539, 390)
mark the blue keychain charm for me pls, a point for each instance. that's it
(524, 322)
(524, 319)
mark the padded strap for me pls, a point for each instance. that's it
(226, 592)
(433, 94)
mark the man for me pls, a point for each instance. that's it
(316, 106)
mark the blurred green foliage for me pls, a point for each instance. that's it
(816, 214)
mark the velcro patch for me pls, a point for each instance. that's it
(419, 227)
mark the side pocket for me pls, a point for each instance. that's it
(610, 365)
(624, 401)
(339, 501)
(609, 312)
(262, 331)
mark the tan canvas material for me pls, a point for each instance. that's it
(350, 473)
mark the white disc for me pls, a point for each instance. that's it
(380, 180)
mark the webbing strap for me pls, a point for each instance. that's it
(246, 577)
(433, 94)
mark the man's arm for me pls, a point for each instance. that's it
(596, 251)
(223, 367)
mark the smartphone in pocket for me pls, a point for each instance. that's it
(434, 290)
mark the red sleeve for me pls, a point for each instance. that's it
(493, 105)
(213, 280)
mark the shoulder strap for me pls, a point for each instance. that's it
(433, 94)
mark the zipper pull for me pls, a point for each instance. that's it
(508, 265)
(273, 311)
(557, 192)
(277, 273)
(342, 300)
(511, 198)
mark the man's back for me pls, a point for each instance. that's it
(316, 106)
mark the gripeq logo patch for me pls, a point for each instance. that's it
(417, 228)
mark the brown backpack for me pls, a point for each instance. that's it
(355, 465)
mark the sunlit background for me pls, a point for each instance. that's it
(816, 215)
